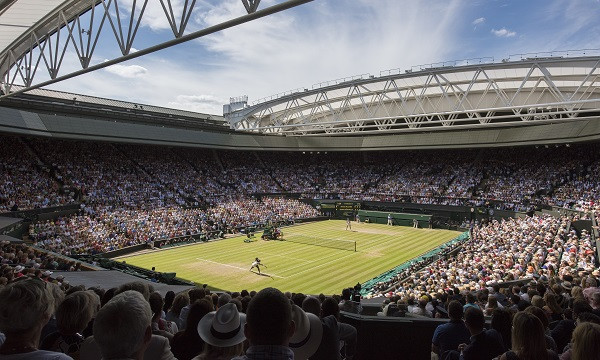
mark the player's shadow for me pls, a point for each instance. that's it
(261, 274)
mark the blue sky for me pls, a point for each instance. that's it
(325, 40)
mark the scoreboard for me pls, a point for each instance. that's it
(347, 208)
(339, 208)
(347, 205)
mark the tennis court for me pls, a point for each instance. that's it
(298, 265)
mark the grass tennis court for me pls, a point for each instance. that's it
(225, 264)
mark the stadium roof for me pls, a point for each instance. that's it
(37, 33)
(20, 18)
(514, 92)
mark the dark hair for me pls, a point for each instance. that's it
(108, 294)
(245, 301)
(346, 294)
(502, 323)
(330, 307)
(298, 299)
(471, 298)
(581, 306)
(312, 305)
(455, 310)
(156, 303)
(269, 318)
(197, 311)
(474, 318)
(196, 294)
(589, 317)
(237, 302)
(169, 297)
(540, 314)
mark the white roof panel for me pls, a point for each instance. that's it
(19, 15)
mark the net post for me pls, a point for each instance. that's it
(354, 246)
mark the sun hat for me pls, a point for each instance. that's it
(47, 273)
(19, 268)
(224, 327)
(307, 337)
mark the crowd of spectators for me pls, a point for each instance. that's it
(105, 229)
(536, 318)
(44, 320)
(143, 176)
(24, 182)
(21, 260)
(498, 251)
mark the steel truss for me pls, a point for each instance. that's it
(76, 28)
(517, 93)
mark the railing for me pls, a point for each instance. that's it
(438, 65)
(552, 54)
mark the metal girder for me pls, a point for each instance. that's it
(517, 93)
(75, 30)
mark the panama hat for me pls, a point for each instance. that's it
(307, 337)
(224, 327)
(19, 268)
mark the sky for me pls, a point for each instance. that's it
(324, 40)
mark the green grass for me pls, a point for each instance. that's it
(225, 264)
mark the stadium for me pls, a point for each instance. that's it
(409, 212)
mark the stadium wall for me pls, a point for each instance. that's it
(23, 122)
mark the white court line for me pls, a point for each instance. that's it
(236, 267)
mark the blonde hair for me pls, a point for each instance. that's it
(76, 311)
(528, 340)
(24, 304)
(586, 342)
(577, 292)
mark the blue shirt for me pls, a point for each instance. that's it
(448, 336)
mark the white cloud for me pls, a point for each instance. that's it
(200, 103)
(296, 48)
(478, 21)
(503, 33)
(127, 71)
(291, 50)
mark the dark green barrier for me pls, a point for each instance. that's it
(401, 219)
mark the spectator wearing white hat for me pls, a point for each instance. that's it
(46, 275)
(223, 333)
(307, 337)
(18, 271)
